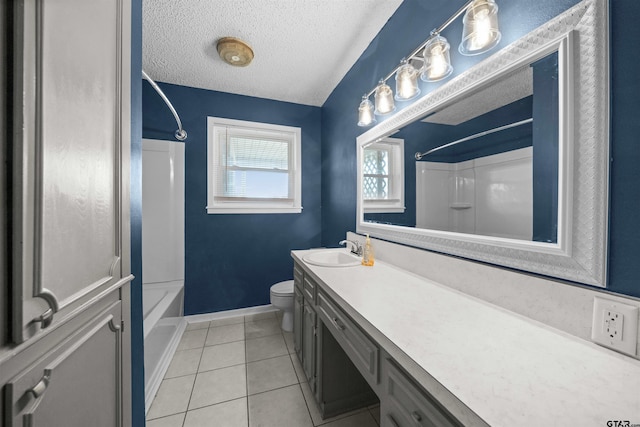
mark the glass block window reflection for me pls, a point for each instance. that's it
(376, 174)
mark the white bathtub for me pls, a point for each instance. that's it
(162, 305)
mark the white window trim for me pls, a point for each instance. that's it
(252, 206)
(396, 179)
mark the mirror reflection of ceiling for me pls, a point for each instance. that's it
(509, 89)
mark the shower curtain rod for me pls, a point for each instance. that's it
(419, 155)
(180, 134)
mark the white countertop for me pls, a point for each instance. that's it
(509, 370)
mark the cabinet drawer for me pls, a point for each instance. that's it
(362, 351)
(309, 289)
(297, 276)
(406, 405)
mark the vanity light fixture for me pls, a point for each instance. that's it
(406, 82)
(365, 112)
(384, 99)
(480, 34)
(437, 62)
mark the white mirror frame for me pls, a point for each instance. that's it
(580, 35)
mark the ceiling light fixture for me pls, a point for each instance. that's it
(480, 34)
(234, 51)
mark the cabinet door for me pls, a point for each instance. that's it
(297, 321)
(78, 383)
(70, 156)
(309, 345)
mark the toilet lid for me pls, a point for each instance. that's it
(283, 288)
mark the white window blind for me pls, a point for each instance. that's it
(255, 169)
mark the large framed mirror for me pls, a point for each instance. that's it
(508, 162)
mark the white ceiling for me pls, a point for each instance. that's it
(303, 48)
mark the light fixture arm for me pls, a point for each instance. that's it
(434, 33)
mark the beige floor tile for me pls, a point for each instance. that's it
(193, 339)
(226, 321)
(361, 419)
(288, 339)
(279, 408)
(218, 386)
(197, 325)
(227, 414)
(170, 421)
(172, 397)
(225, 334)
(222, 355)
(184, 362)
(260, 316)
(269, 374)
(262, 328)
(265, 347)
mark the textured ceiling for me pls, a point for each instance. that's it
(303, 48)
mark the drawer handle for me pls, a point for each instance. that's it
(416, 416)
(339, 324)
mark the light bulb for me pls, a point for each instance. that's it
(406, 82)
(481, 31)
(384, 99)
(437, 64)
(365, 112)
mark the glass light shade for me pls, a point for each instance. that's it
(437, 62)
(481, 31)
(384, 99)
(406, 82)
(365, 112)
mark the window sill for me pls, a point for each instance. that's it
(255, 210)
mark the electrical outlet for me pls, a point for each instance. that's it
(615, 325)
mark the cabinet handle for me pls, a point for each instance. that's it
(416, 416)
(339, 324)
(46, 318)
(42, 385)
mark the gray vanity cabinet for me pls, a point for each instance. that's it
(347, 369)
(309, 344)
(404, 404)
(337, 384)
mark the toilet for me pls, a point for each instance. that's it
(282, 298)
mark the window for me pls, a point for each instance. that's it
(253, 167)
(383, 176)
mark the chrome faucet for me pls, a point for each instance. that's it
(356, 248)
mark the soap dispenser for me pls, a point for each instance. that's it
(367, 253)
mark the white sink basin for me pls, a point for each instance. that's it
(331, 258)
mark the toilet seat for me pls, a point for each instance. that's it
(282, 289)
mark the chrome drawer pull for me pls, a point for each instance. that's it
(339, 324)
(416, 416)
(42, 385)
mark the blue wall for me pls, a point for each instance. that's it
(231, 261)
(398, 37)
(137, 334)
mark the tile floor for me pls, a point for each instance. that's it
(241, 372)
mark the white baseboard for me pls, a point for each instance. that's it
(197, 318)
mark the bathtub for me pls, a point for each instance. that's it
(162, 305)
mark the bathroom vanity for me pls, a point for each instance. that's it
(437, 357)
